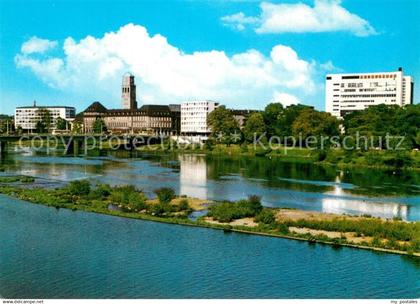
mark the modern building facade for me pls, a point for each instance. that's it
(27, 117)
(345, 93)
(194, 116)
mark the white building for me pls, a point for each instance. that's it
(194, 116)
(345, 93)
(27, 117)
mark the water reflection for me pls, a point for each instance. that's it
(338, 203)
(193, 176)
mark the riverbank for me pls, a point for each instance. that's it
(246, 216)
(378, 159)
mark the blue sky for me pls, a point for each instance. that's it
(242, 53)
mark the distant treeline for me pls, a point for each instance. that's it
(380, 127)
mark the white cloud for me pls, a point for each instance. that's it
(92, 68)
(324, 16)
(285, 99)
(37, 45)
(238, 21)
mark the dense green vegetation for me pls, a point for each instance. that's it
(378, 121)
(370, 227)
(6, 124)
(302, 121)
(223, 126)
(165, 195)
(62, 124)
(381, 136)
(225, 212)
(13, 179)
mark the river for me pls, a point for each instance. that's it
(49, 253)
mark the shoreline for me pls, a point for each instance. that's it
(293, 155)
(279, 156)
(226, 228)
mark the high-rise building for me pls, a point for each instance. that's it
(194, 116)
(345, 93)
(128, 92)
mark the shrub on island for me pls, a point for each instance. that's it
(78, 187)
(165, 195)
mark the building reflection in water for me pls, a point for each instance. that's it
(339, 202)
(193, 176)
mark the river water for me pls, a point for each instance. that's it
(49, 253)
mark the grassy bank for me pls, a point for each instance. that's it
(246, 216)
(386, 159)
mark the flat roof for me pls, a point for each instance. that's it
(32, 107)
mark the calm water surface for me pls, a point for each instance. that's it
(281, 184)
(49, 253)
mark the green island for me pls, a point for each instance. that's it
(243, 216)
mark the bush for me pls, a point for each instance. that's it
(165, 195)
(78, 187)
(130, 196)
(266, 216)
(227, 211)
(255, 203)
(27, 179)
(282, 228)
(157, 209)
(101, 191)
(121, 194)
(183, 205)
(137, 200)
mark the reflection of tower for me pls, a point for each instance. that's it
(128, 92)
(193, 176)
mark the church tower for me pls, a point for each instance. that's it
(128, 92)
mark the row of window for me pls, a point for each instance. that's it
(368, 95)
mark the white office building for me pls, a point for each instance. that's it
(194, 116)
(27, 117)
(345, 93)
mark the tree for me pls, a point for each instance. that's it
(76, 127)
(279, 120)
(381, 120)
(44, 122)
(316, 124)
(6, 124)
(99, 126)
(224, 127)
(254, 126)
(271, 115)
(288, 117)
(165, 195)
(40, 127)
(61, 124)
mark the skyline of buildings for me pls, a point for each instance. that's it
(344, 93)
